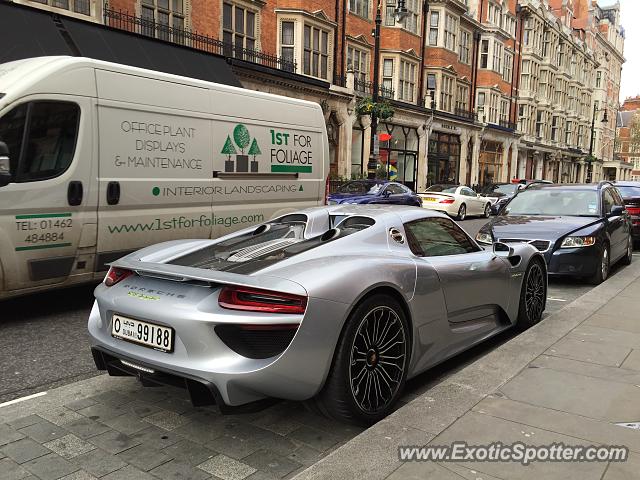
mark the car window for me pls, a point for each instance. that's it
(617, 197)
(12, 127)
(553, 201)
(626, 191)
(607, 201)
(468, 192)
(395, 189)
(442, 188)
(435, 237)
(362, 188)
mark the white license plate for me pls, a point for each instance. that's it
(143, 333)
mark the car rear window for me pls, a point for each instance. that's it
(629, 192)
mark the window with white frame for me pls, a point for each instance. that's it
(446, 93)
(407, 81)
(493, 108)
(434, 22)
(494, 16)
(315, 58)
(387, 73)
(357, 59)
(510, 25)
(411, 21)
(554, 128)
(462, 97)
(508, 67)
(360, 7)
(465, 42)
(504, 110)
(77, 6)
(498, 53)
(164, 13)
(484, 53)
(287, 41)
(450, 32)
(598, 79)
(238, 26)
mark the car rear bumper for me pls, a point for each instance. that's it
(580, 262)
(449, 209)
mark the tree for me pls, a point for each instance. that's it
(228, 148)
(254, 149)
(241, 136)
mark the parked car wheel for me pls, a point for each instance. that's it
(533, 295)
(370, 364)
(603, 271)
(487, 210)
(628, 258)
(462, 212)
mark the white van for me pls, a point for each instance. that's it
(99, 159)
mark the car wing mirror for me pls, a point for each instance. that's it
(503, 250)
(616, 211)
(5, 165)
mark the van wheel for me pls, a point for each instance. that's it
(370, 365)
(462, 212)
(533, 295)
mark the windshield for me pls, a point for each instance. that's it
(506, 189)
(554, 201)
(443, 188)
(628, 192)
(361, 188)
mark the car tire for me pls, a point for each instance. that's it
(462, 212)
(628, 258)
(487, 210)
(533, 295)
(602, 272)
(344, 396)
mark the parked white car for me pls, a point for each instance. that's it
(455, 200)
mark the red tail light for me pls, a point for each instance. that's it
(448, 201)
(115, 275)
(255, 300)
(633, 210)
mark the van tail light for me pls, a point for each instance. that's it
(256, 300)
(115, 275)
(447, 201)
(326, 191)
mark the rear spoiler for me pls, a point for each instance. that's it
(179, 273)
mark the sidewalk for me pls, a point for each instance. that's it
(570, 379)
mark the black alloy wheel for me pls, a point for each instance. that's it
(369, 369)
(533, 295)
(628, 258)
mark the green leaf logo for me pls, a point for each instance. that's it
(155, 191)
(241, 136)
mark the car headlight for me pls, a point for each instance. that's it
(575, 242)
(483, 237)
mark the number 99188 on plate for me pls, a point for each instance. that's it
(143, 333)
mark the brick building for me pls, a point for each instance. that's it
(628, 136)
(483, 90)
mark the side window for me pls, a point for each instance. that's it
(41, 137)
(468, 192)
(607, 202)
(434, 237)
(52, 130)
(12, 126)
(395, 189)
(617, 197)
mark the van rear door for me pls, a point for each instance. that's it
(46, 212)
(155, 163)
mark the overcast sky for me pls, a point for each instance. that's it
(631, 69)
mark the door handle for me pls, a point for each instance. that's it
(74, 193)
(113, 193)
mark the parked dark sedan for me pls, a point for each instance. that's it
(581, 229)
(499, 194)
(374, 191)
(630, 192)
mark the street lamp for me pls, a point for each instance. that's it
(400, 13)
(593, 135)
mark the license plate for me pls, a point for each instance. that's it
(143, 333)
(429, 199)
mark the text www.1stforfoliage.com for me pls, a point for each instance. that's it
(175, 223)
(516, 452)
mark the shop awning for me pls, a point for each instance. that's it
(28, 32)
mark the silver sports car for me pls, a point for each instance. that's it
(336, 305)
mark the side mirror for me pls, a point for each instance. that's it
(616, 211)
(5, 165)
(503, 250)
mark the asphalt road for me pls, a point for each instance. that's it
(44, 344)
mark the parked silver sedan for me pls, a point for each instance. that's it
(335, 305)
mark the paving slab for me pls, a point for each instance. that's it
(624, 323)
(227, 468)
(189, 452)
(632, 362)
(10, 470)
(98, 462)
(22, 451)
(624, 470)
(175, 470)
(50, 467)
(612, 374)
(69, 446)
(267, 461)
(44, 431)
(144, 457)
(114, 442)
(9, 434)
(589, 351)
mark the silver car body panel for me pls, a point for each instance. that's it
(452, 303)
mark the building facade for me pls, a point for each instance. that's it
(628, 136)
(483, 91)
